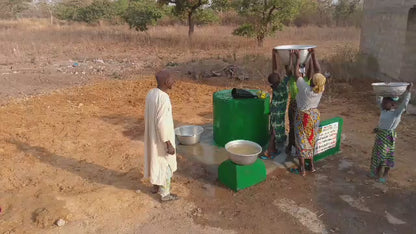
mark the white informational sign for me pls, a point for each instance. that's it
(327, 138)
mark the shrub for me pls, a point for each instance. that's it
(263, 18)
(142, 13)
(98, 10)
(206, 16)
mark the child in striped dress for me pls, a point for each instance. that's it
(385, 143)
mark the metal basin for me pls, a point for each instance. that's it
(189, 134)
(243, 152)
(389, 89)
(284, 52)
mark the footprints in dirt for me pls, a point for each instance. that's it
(393, 220)
(311, 220)
(356, 203)
(306, 217)
(344, 164)
(360, 205)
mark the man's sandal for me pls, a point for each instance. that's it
(155, 189)
(169, 197)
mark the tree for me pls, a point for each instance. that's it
(121, 6)
(12, 8)
(308, 11)
(221, 5)
(48, 7)
(96, 11)
(69, 9)
(187, 8)
(345, 10)
(206, 16)
(142, 13)
(264, 17)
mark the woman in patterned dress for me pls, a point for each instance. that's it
(307, 115)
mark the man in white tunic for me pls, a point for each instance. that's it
(159, 138)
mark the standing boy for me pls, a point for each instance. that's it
(159, 138)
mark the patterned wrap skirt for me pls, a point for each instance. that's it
(383, 150)
(277, 113)
(306, 132)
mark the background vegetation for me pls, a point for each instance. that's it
(251, 18)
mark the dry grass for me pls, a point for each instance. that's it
(28, 40)
(27, 33)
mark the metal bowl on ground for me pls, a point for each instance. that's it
(389, 89)
(243, 152)
(284, 52)
(189, 134)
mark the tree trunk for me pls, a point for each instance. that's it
(191, 24)
(51, 16)
(260, 40)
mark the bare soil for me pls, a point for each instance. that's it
(77, 154)
(71, 143)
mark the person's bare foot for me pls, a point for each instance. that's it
(270, 154)
(302, 171)
(371, 175)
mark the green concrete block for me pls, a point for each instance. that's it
(237, 177)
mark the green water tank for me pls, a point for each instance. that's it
(240, 119)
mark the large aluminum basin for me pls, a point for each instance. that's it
(243, 152)
(284, 53)
(189, 134)
(389, 89)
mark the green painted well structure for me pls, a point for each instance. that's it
(237, 177)
(240, 119)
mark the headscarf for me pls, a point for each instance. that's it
(319, 82)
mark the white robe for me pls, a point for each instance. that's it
(158, 129)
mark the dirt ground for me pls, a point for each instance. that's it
(71, 140)
(77, 155)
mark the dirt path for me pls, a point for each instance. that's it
(77, 154)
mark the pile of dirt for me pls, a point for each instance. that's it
(205, 69)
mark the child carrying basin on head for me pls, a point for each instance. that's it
(385, 143)
(278, 111)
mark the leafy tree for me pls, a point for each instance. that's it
(142, 13)
(96, 11)
(187, 8)
(345, 10)
(325, 12)
(221, 5)
(121, 6)
(308, 11)
(206, 16)
(12, 8)
(69, 9)
(264, 17)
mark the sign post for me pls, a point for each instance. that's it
(329, 139)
